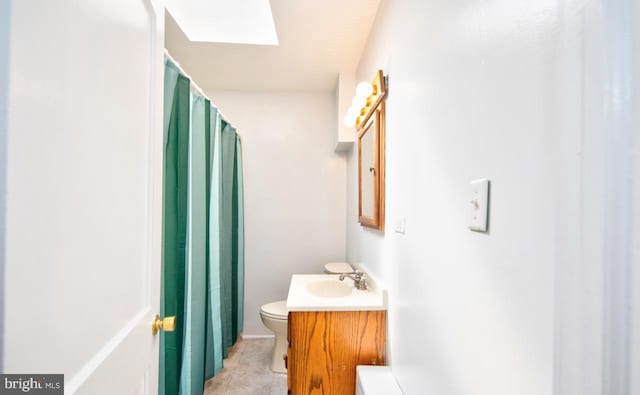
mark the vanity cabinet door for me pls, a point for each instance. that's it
(326, 347)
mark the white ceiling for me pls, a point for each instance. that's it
(217, 20)
(318, 39)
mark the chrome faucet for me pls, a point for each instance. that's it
(359, 279)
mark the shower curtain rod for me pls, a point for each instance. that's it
(195, 86)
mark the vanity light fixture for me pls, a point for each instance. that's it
(359, 102)
(367, 97)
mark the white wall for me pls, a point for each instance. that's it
(5, 10)
(295, 190)
(470, 95)
(539, 98)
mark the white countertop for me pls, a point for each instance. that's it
(300, 299)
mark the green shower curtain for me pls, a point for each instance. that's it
(203, 238)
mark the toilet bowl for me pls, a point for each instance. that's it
(274, 316)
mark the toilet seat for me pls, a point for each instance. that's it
(337, 268)
(275, 310)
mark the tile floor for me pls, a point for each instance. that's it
(246, 371)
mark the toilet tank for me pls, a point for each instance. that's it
(376, 380)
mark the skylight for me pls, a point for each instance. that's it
(225, 21)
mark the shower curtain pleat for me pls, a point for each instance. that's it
(174, 233)
(226, 236)
(171, 74)
(214, 241)
(209, 360)
(192, 375)
(170, 80)
(203, 238)
(239, 231)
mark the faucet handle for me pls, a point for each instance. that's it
(360, 281)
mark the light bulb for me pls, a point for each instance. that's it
(358, 102)
(350, 119)
(364, 89)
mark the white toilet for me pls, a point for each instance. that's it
(274, 316)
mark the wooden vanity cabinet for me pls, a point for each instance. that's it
(326, 346)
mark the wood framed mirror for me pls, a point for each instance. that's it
(371, 157)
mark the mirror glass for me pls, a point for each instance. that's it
(367, 175)
(371, 170)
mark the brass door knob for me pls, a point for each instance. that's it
(167, 324)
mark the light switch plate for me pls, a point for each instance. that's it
(479, 205)
(401, 225)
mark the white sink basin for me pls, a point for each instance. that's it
(329, 288)
(325, 292)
